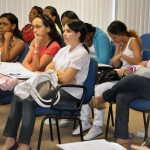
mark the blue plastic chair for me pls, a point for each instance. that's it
(141, 105)
(7, 99)
(24, 53)
(145, 38)
(67, 112)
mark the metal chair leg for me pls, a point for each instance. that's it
(112, 116)
(92, 112)
(145, 126)
(108, 119)
(81, 131)
(51, 129)
(40, 134)
(58, 131)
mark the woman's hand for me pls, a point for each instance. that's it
(8, 36)
(38, 41)
(115, 61)
(143, 63)
(124, 71)
(51, 66)
(135, 147)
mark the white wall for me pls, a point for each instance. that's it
(135, 13)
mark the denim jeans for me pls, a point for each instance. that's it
(5, 93)
(124, 92)
(25, 112)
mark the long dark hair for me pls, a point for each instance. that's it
(119, 28)
(77, 25)
(69, 14)
(53, 12)
(13, 20)
(48, 22)
(39, 9)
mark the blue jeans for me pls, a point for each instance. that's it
(5, 93)
(124, 92)
(25, 111)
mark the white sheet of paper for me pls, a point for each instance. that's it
(15, 70)
(91, 145)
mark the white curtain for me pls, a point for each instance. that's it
(96, 12)
(100, 13)
(135, 14)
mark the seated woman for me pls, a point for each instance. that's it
(47, 43)
(27, 30)
(67, 15)
(51, 12)
(129, 88)
(70, 68)
(11, 40)
(45, 46)
(128, 52)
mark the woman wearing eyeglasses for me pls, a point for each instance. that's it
(46, 44)
(11, 40)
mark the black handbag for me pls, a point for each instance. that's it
(107, 76)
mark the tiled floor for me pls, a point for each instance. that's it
(136, 124)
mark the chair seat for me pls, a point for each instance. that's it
(6, 99)
(40, 111)
(140, 105)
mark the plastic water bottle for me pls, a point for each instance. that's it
(140, 134)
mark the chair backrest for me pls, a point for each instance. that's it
(146, 54)
(23, 54)
(91, 80)
(145, 38)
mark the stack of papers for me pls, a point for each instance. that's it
(15, 70)
(91, 145)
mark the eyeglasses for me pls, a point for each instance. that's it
(3, 24)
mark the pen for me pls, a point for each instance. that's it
(145, 142)
(14, 74)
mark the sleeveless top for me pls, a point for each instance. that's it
(128, 53)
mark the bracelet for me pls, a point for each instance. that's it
(36, 52)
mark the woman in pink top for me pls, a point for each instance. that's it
(46, 44)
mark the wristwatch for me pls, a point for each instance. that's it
(36, 52)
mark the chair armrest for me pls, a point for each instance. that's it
(104, 67)
(78, 107)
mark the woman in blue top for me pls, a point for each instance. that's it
(98, 43)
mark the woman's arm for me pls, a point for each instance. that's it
(64, 77)
(40, 62)
(10, 53)
(115, 61)
(68, 76)
(135, 147)
(137, 56)
(28, 59)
